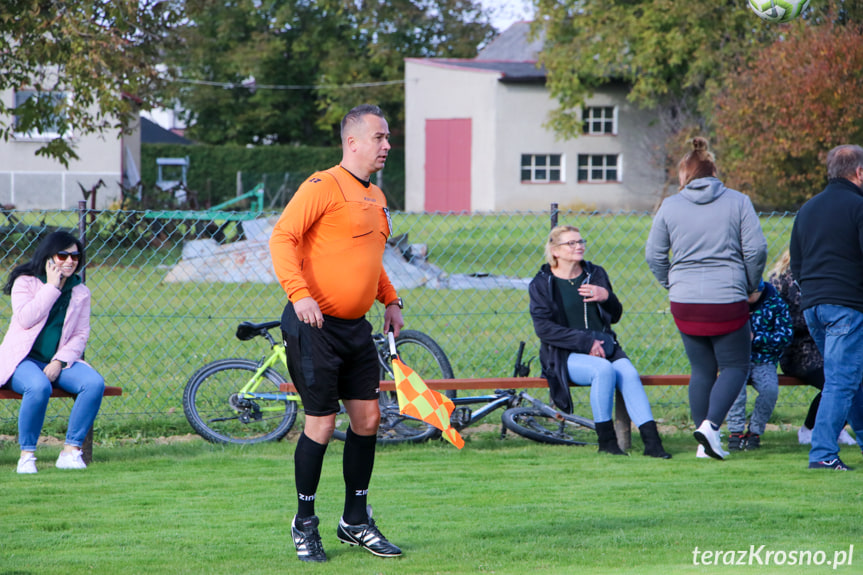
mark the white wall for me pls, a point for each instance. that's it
(509, 120)
(36, 182)
(439, 92)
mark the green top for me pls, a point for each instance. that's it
(579, 315)
(48, 339)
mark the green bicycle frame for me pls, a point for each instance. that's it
(248, 390)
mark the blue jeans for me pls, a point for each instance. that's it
(765, 380)
(838, 333)
(31, 382)
(604, 377)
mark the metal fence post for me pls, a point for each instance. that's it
(82, 233)
(554, 213)
(87, 446)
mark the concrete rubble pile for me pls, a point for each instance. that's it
(249, 260)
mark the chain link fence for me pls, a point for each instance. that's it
(170, 288)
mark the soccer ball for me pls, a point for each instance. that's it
(778, 10)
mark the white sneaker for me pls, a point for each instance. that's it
(845, 438)
(709, 438)
(27, 463)
(700, 453)
(71, 460)
(804, 435)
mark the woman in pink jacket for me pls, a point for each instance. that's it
(44, 344)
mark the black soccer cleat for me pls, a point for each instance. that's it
(307, 540)
(367, 536)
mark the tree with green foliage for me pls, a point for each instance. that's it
(101, 55)
(777, 118)
(675, 55)
(285, 71)
(668, 51)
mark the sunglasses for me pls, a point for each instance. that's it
(63, 256)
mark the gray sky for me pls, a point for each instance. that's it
(505, 12)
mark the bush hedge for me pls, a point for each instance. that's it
(213, 170)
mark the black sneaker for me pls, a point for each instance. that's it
(835, 464)
(307, 540)
(736, 442)
(368, 536)
(753, 441)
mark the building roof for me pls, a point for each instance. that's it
(511, 54)
(153, 133)
(513, 45)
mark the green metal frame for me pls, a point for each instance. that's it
(217, 212)
(277, 355)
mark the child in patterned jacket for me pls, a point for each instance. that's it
(772, 331)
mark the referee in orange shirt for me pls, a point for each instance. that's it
(327, 250)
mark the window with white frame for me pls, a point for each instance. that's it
(542, 168)
(599, 168)
(599, 120)
(56, 100)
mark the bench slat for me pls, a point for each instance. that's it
(533, 382)
(6, 393)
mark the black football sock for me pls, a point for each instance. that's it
(357, 465)
(308, 461)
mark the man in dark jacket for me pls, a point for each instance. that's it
(827, 261)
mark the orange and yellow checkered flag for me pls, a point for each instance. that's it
(420, 402)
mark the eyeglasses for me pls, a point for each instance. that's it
(62, 256)
(574, 243)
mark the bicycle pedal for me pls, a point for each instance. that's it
(460, 416)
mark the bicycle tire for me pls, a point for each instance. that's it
(207, 404)
(531, 423)
(422, 354)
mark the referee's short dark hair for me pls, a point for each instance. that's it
(355, 116)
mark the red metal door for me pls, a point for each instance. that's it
(447, 166)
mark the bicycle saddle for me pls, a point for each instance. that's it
(248, 330)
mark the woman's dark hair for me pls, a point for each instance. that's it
(698, 162)
(49, 247)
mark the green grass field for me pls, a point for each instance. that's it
(149, 336)
(502, 507)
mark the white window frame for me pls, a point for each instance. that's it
(592, 115)
(536, 168)
(40, 136)
(599, 161)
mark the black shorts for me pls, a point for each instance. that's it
(336, 361)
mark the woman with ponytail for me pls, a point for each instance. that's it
(707, 249)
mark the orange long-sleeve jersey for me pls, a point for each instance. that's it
(329, 244)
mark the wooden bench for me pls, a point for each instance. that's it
(622, 423)
(87, 447)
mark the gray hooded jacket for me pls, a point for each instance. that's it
(717, 249)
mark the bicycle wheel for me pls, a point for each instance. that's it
(213, 409)
(422, 354)
(533, 424)
(394, 427)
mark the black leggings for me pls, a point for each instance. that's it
(815, 378)
(719, 366)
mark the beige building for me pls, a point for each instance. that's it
(28, 181)
(476, 139)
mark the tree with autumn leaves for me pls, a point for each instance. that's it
(772, 98)
(776, 119)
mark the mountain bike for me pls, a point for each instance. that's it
(524, 415)
(243, 401)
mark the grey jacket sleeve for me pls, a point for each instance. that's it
(754, 245)
(657, 248)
